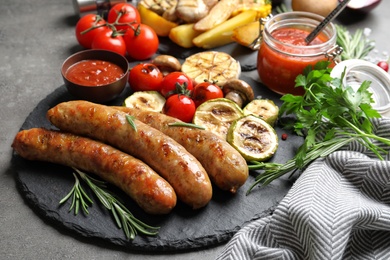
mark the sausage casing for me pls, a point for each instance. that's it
(226, 167)
(149, 190)
(167, 157)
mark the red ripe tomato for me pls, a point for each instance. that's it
(85, 23)
(205, 91)
(384, 65)
(109, 40)
(145, 77)
(176, 83)
(180, 106)
(141, 42)
(127, 14)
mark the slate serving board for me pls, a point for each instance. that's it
(43, 185)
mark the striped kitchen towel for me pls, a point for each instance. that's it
(339, 208)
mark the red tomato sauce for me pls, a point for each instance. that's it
(278, 70)
(296, 36)
(94, 73)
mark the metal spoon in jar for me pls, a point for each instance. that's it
(326, 21)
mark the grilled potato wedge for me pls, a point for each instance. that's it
(222, 34)
(183, 35)
(247, 33)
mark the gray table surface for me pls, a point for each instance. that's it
(35, 38)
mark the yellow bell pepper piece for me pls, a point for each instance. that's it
(159, 24)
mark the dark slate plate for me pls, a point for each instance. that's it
(43, 185)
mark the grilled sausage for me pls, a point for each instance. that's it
(168, 158)
(226, 167)
(149, 190)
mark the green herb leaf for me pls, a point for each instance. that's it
(130, 120)
(183, 124)
(79, 196)
(356, 46)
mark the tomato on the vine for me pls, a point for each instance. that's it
(141, 41)
(205, 91)
(176, 83)
(180, 106)
(109, 40)
(85, 23)
(145, 77)
(128, 14)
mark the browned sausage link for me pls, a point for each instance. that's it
(168, 158)
(226, 167)
(151, 192)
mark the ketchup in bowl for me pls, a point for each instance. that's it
(95, 75)
(94, 72)
(284, 54)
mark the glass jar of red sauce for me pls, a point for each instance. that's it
(283, 52)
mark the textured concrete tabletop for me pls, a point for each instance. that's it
(35, 38)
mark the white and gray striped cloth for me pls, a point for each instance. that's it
(339, 208)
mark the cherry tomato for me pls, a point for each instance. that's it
(109, 40)
(86, 22)
(176, 83)
(141, 42)
(384, 65)
(128, 14)
(205, 91)
(180, 106)
(145, 77)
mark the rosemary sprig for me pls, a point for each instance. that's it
(79, 196)
(282, 8)
(274, 171)
(183, 124)
(355, 46)
(123, 217)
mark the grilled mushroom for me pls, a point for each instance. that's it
(238, 91)
(167, 63)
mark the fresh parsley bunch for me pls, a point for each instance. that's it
(329, 115)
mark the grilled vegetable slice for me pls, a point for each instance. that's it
(216, 115)
(263, 108)
(213, 66)
(254, 138)
(145, 100)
